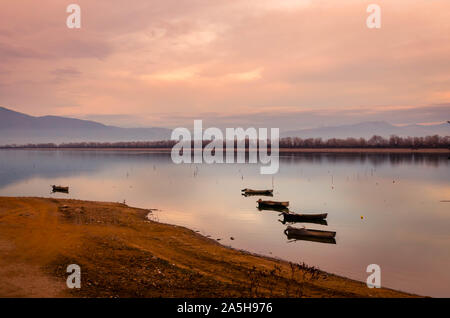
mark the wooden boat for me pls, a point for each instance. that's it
(303, 232)
(56, 188)
(293, 237)
(249, 192)
(318, 221)
(262, 203)
(295, 217)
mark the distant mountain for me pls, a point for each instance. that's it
(19, 128)
(368, 129)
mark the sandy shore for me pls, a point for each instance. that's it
(122, 254)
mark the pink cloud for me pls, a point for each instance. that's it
(222, 57)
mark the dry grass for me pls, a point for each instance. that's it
(122, 254)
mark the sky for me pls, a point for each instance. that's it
(291, 64)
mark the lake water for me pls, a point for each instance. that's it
(385, 208)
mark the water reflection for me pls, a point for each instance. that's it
(273, 208)
(386, 208)
(374, 159)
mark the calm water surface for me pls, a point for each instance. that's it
(386, 209)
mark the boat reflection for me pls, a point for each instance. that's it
(250, 192)
(273, 208)
(286, 221)
(246, 194)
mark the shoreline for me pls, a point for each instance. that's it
(281, 150)
(123, 254)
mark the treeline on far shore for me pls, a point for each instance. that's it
(435, 141)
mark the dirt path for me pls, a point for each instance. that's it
(25, 250)
(122, 254)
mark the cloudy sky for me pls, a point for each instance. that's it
(283, 63)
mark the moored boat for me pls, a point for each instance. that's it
(264, 203)
(304, 232)
(56, 188)
(293, 237)
(292, 217)
(289, 217)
